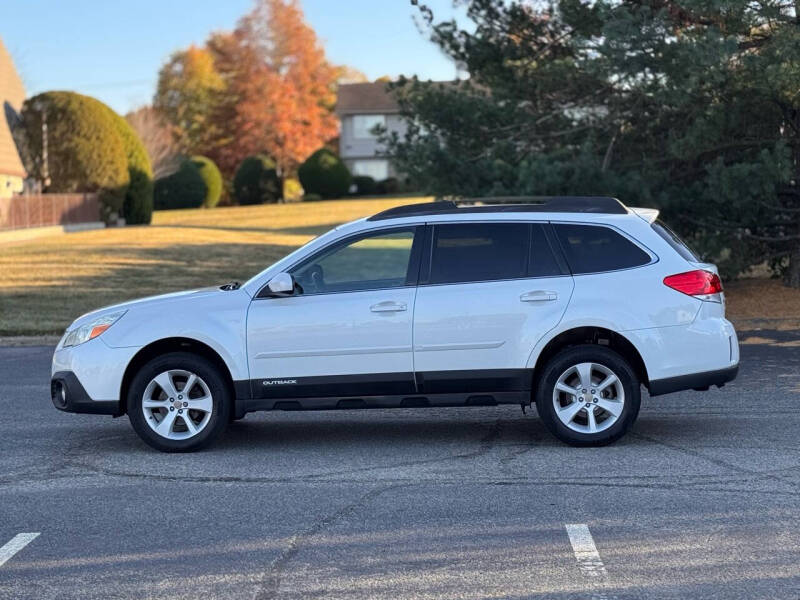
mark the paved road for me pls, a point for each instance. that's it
(700, 501)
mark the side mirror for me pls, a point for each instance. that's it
(281, 285)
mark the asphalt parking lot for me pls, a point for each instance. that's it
(699, 501)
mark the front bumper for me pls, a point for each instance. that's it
(98, 369)
(69, 395)
(694, 381)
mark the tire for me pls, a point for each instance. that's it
(206, 406)
(567, 416)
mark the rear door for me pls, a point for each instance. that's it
(488, 292)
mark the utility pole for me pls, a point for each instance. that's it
(45, 182)
(45, 162)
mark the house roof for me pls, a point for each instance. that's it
(365, 98)
(12, 95)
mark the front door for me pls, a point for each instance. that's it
(347, 331)
(489, 292)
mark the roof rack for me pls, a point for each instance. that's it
(567, 204)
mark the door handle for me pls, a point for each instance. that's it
(388, 306)
(539, 296)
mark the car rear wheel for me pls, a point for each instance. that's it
(588, 395)
(178, 402)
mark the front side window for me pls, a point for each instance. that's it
(369, 262)
(468, 252)
(595, 249)
(364, 125)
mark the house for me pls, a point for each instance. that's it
(360, 107)
(12, 95)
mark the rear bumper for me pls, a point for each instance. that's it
(67, 394)
(694, 381)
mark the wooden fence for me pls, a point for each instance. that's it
(22, 212)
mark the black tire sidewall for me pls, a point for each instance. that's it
(588, 353)
(206, 371)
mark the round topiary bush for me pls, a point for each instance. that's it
(213, 179)
(257, 181)
(86, 152)
(137, 207)
(325, 174)
(185, 188)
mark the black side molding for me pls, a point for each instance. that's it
(68, 395)
(246, 405)
(695, 381)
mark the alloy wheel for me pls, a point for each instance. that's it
(177, 404)
(588, 398)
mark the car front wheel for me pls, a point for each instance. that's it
(588, 395)
(178, 402)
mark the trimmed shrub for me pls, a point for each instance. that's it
(257, 181)
(292, 190)
(213, 179)
(137, 207)
(312, 198)
(365, 185)
(390, 185)
(86, 152)
(185, 188)
(325, 174)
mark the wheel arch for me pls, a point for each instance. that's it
(173, 344)
(592, 334)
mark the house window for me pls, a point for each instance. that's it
(364, 124)
(375, 168)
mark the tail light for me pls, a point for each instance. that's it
(695, 283)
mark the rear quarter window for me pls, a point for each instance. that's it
(596, 249)
(676, 242)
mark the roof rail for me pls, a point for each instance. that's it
(567, 204)
(412, 210)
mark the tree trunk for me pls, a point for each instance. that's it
(793, 276)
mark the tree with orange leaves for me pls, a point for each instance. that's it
(279, 89)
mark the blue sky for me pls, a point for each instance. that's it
(112, 50)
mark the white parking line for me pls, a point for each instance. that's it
(589, 561)
(586, 553)
(17, 543)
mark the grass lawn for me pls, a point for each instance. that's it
(47, 282)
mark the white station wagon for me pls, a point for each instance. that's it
(571, 303)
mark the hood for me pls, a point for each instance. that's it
(148, 301)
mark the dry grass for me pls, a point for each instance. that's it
(762, 304)
(47, 282)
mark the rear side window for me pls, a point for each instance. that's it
(542, 261)
(595, 249)
(676, 242)
(479, 252)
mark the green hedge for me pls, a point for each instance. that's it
(213, 179)
(86, 152)
(390, 185)
(183, 189)
(257, 181)
(325, 174)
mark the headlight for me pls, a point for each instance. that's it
(92, 329)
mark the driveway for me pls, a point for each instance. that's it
(699, 501)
